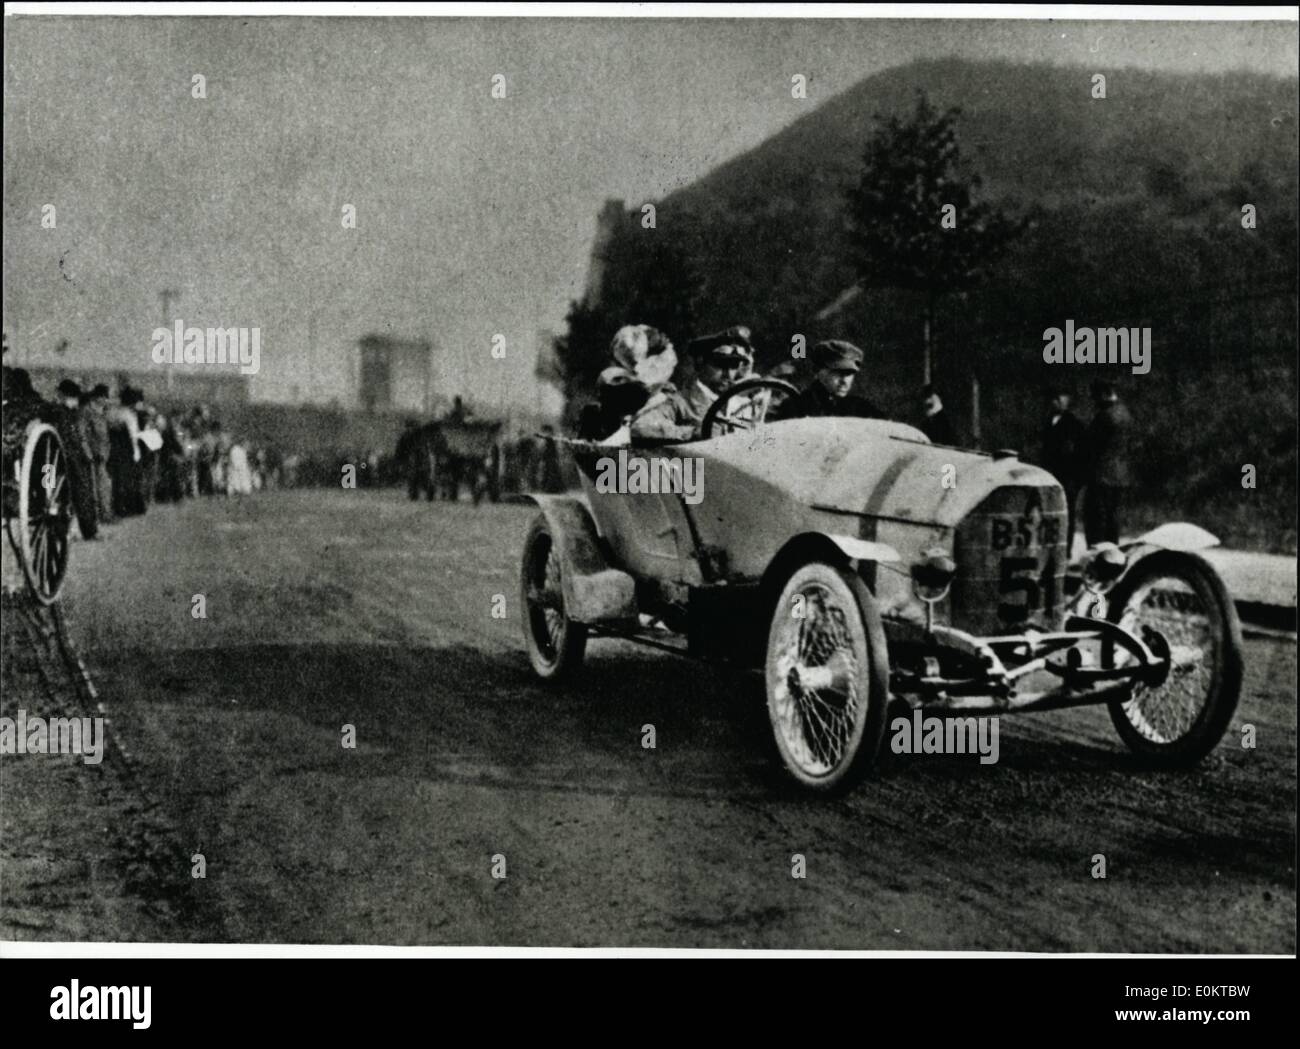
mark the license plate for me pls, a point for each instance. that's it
(1024, 546)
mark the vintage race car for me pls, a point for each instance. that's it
(856, 565)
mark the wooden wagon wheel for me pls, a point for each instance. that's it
(44, 516)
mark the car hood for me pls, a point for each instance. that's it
(868, 467)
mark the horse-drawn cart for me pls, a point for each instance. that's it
(467, 450)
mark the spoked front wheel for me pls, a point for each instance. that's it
(1178, 605)
(556, 644)
(825, 699)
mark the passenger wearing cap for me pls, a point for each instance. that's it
(720, 360)
(837, 363)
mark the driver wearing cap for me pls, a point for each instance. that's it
(721, 360)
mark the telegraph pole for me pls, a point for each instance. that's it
(167, 295)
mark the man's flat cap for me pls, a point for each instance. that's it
(68, 388)
(837, 354)
(733, 342)
(100, 390)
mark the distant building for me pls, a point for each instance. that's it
(394, 375)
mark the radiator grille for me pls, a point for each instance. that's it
(1011, 560)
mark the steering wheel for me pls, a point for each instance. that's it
(752, 413)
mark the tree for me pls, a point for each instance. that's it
(581, 351)
(649, 278)
(913, 222)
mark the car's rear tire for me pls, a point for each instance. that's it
(1180, 597)
(556, 644)
(826, 696)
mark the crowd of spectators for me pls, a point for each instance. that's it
(124, 454)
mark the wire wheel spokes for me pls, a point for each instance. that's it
(545, 598)
(816, 692)
(1169, 607)
(51, 555)
(555, 642)
(551, 589)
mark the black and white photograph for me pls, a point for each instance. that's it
(650, 478)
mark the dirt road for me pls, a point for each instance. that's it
(330, 609)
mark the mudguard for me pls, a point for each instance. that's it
(594, 591)
(1176, 535)
(863, 549)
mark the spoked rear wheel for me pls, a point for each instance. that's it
(1176, 602)
(40, 530)
(825, 701)
(556, 644)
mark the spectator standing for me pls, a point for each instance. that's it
(412, 456)
(1065, 441)
(124, 453)
(936, 423)
(171, 462)
(239, 473)
(1109, 438)
(151, 443)
(206, 457)
(96, 408)
(220, 458)
(73, 424)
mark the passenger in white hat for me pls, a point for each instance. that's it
(645, 352)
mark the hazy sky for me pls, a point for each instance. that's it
(475, 215)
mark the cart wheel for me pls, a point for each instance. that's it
(556, 644)
(44, 513)
(1176, 601)
(826, 698)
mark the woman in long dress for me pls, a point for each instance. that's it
(239, 475)
(124, 454)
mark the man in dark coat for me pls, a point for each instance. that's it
(96, 408)
(412, 456)
(124, 453)
(1064, 451)
(837, 363)
(936, 423)
(1109, 439)
(73, 424)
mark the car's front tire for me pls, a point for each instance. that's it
(556, 644)
(1179, 598)
(826, 700)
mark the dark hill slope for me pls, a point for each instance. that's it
(1134, 204)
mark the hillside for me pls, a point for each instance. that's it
(1135, 205)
